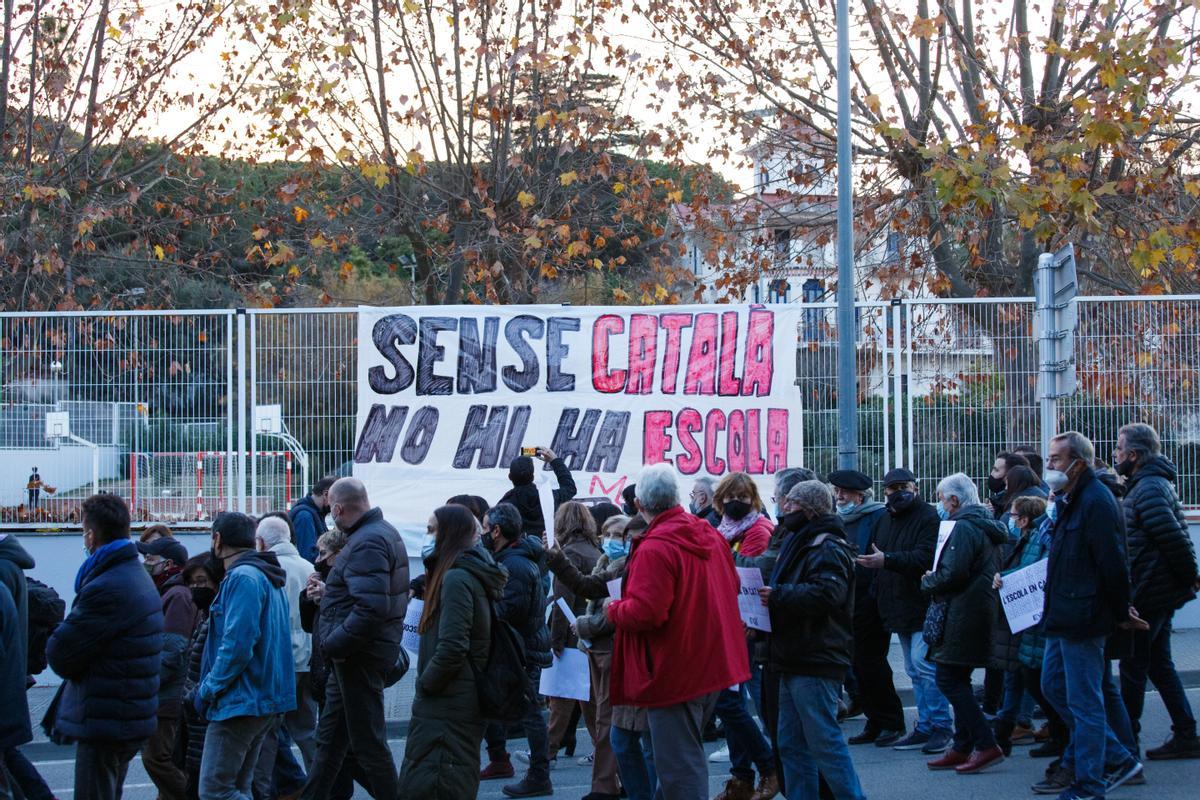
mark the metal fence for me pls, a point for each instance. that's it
(188, 412)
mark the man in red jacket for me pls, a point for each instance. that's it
(679, 638)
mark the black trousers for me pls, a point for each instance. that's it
(353, 717)
(971, 729)
(100, 767)
(876, 692)
(1033, 684)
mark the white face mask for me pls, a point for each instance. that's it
(1057, 479)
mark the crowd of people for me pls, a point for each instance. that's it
(287, 633)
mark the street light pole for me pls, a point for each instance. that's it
(847, 328)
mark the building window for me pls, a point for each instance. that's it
(779, 291)
(893, 247)
(783, 245)
(812, 292)
(757, 294)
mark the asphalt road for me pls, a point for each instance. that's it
(884, 773)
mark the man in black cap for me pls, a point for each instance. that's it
(524, 494)
(901, 554)
(870, 682)
(164, 559)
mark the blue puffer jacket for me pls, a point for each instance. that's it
(247, 664)
(108, 650)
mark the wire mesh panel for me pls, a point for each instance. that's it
(304, 361)
(1138, 360)
(120, 390)
(817, 371)
(970, 383)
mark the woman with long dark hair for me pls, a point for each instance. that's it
(441, 758)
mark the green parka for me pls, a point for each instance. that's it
(441, 758)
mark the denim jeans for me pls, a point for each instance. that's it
(971, 729)
(635, 762)
(1152, 660)
(100, 767)
(277, 772)
(1116, 715)
(533, 723)
(231, 749)
(811, 745)
(748, 747)
(1073, 673)
(1018, 703)
(933, 709)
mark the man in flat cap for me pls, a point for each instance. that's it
(870, 682)
(902, 552)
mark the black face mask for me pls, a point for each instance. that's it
(898, 502)
(995, 485)
(203, 597)
(323, 568)
(1125, 468)
(736, 509)
(794, 520)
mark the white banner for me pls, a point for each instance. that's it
(1023, 596)
(754, 613)
(449, 395)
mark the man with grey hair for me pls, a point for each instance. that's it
(810, 599)
(1086, 599)
(701, 503)
(901, 553)
(362, 622)
(274, 535)
(1162, 564)
(679, 636)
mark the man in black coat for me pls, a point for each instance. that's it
(701, 503)
(901, 554)
(523, 606)
(810, 598)
(524, 494)
(1162, 566)
(361, 625)
(876, 695)
(1086, 599)
(107, 651)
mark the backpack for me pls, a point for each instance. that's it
(503, 684)
(46, 611)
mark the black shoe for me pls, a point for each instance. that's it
(601, 796)
(1051, 748)
(868, 735)
(1176, 747)
(1057, 783)
(569, 747)
(1003, 729)
(529, 788)
(888, 738)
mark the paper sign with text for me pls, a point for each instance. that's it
(944, 531)
(1023, 596)
(754, 613)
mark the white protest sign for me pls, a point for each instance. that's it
(944, 531)
(567, 677)
(448, 396)
(614, 588)
(754, 613)
(411, 640)
(1023, 596)
(546, 497)
(571, 618)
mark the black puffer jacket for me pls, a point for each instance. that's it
(197, 725)
(108, 650)
(362, 612)
(964, 580)
(907, 540)
(1162, 560)
(523, 604)
(525, 497)
(812, 601)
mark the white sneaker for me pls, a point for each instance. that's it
(720, 756)
(586, 761)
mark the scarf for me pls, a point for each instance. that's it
(99, 554)
(732, 529)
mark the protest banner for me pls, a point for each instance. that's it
(448, 396)
(1023, 596)
(753, 612)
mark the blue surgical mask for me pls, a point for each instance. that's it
(694, 507)
(1013, 528)
(846, 508)
(428, 549)
(941, 510)
(615, 548)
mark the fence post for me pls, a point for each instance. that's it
(241, 397)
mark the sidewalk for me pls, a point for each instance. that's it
(1185, 646)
